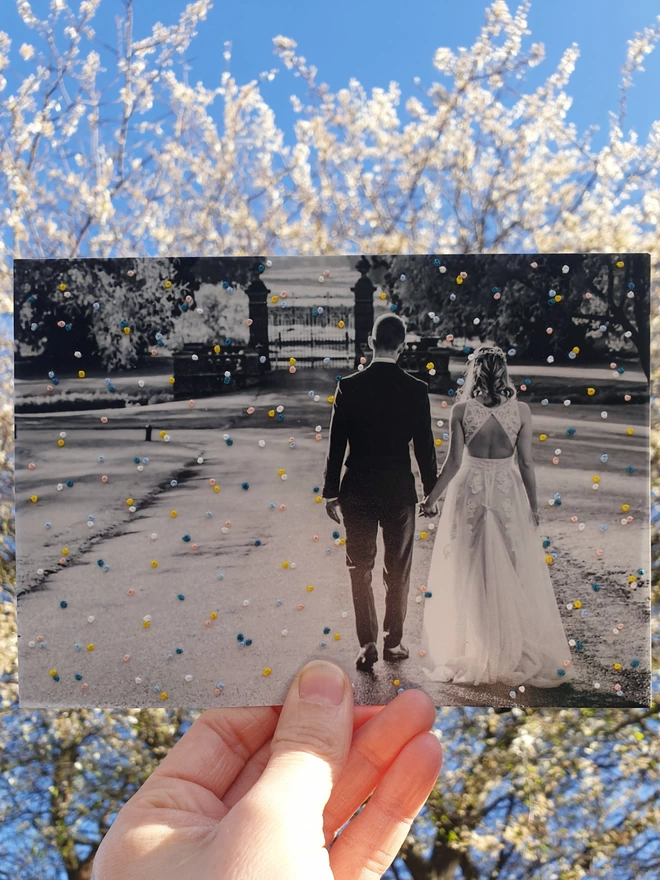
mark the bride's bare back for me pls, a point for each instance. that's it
(491, 432)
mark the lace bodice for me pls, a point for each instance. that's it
(476, 414)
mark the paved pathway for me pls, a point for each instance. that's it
(212, 652)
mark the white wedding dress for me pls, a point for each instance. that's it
(493, 616)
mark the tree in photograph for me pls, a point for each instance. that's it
(538, 306)
(110, 151)
(115, 312)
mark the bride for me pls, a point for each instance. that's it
(493, 617)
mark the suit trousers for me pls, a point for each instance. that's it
(398, 528)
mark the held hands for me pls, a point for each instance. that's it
(428, 508)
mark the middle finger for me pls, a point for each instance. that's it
(373, 750)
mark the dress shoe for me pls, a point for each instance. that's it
(400, 652)
(367, 657)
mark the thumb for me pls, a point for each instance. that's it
(308, 750)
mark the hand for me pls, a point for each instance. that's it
(333, 509)
(261, 792)
(535, 516)
(428, 509)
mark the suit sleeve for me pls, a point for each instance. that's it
(337, 446)
(424, 445)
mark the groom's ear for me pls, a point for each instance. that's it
(370, 341)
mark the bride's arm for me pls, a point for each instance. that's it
(454, 456)
(525, 459)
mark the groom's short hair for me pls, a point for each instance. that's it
(388, 332)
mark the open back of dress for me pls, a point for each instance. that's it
(494, 427)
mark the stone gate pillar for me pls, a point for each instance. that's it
(364, 307)
(257, 293)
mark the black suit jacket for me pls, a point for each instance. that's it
(377, 412)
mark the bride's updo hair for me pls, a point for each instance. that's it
(487, 377)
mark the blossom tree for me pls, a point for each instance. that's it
(111, 151)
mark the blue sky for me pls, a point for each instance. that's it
(391, 40)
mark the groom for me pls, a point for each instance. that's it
(377, 412)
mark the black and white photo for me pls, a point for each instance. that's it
(432, 469)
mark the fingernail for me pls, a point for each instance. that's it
(322, 683)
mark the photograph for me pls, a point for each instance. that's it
(432, 469)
